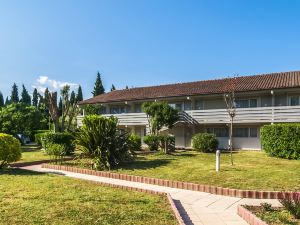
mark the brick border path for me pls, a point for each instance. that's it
(195, 207)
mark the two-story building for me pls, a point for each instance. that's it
(259, 99)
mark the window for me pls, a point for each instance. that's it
(253, 132)
(246, 103)
(240, 132)
(218, 131)
(137, 108)
(177, 106)
(199, 104)
(294, 100)
(187, 106)
(117, 110)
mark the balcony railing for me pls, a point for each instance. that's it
(220, 116)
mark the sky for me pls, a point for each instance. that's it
(143, 42)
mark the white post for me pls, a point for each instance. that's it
(218, 155)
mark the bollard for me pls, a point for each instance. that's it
(218, 155)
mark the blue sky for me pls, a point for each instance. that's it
(144, 42)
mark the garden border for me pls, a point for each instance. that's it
(249, 217)
(177, 184)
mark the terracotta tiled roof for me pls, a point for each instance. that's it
(205, 87)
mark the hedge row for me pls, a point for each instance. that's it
(281, 140)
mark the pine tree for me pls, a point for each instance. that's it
(79, 96)
(98, 88)
(126, 87)
(35, 98)
(112, 87)
(46, 97)
(1, 100)
(14, 94)
(25, 97)
(7, 102)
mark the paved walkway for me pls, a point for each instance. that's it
(198, 208)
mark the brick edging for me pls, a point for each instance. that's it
(175, 210)
(178, 184)
(249, 217)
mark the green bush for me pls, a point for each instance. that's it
(10, 149)
(292, 204)
(134, 142)
(152, 141)
(66, 139)
(167, 143)
(56, 151)
(38, 137)
(100, 139)
(205, 142)
(281, 140)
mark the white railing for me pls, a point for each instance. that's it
(219, 116)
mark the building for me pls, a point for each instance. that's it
(260, 99)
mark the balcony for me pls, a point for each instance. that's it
(219, 116)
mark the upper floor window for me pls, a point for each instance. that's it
(177, 106)
(199, 104)
(118, 110)
(137, 108)
(187, 106)
(294, 100)
(246, 103)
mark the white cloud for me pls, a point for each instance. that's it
(44, 82)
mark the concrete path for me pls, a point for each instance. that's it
(198, 208)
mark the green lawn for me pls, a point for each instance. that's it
(251, 170)
(32, 153)
(35, 198)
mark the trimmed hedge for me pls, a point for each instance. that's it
(10, 149)
(281, 140)
(205, 142)
(66, 139)
(134, 142)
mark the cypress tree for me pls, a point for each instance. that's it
(1, 100)
(126, 87)
(35, 97)
(60, 107)
(72, 98)
(112, 87)
(46, 97)
(25, 97)
(98, 88)
(14, 94)
(79, 96)
(7, 102)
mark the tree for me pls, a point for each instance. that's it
(14, 94)
(160, 114)
(79, 96)
(113, 88)
(126, 87)
(229, 99)
(60, 107)
(35, 98)
(7, 102)
(51, 104)
(25, 97)
(64, 92)
(72, 98)
(73, 109)
(98, 88)
(1, 100)
(20, 118)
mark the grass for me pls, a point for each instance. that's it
(252, 170)
(32, 153)
(34, 198)
(274, 216)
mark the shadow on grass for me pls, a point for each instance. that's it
(30, 149)
(149, 164)
(16, 171)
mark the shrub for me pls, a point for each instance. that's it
(56, 151)
(10, 149)
(281, 140)
(292, 204)
(66, 139)
(167, 143)
(152, 141)
(38, 137)
(100, 139)
(134, 142)
(205, 142)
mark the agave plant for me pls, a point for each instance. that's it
(100, 139)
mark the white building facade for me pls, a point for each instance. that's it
(259, 100)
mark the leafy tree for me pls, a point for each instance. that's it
(1, 100)
(79, 96)
(98, 88)
(51, 105)
(160, 114)
(72, 98)
(35, 98)
(25, 97)
(64, 92)
(112, 87)
(20, 118)
(14, 94)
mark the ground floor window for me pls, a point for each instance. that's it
(237, 131)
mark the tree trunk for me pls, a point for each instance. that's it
(230, 137)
